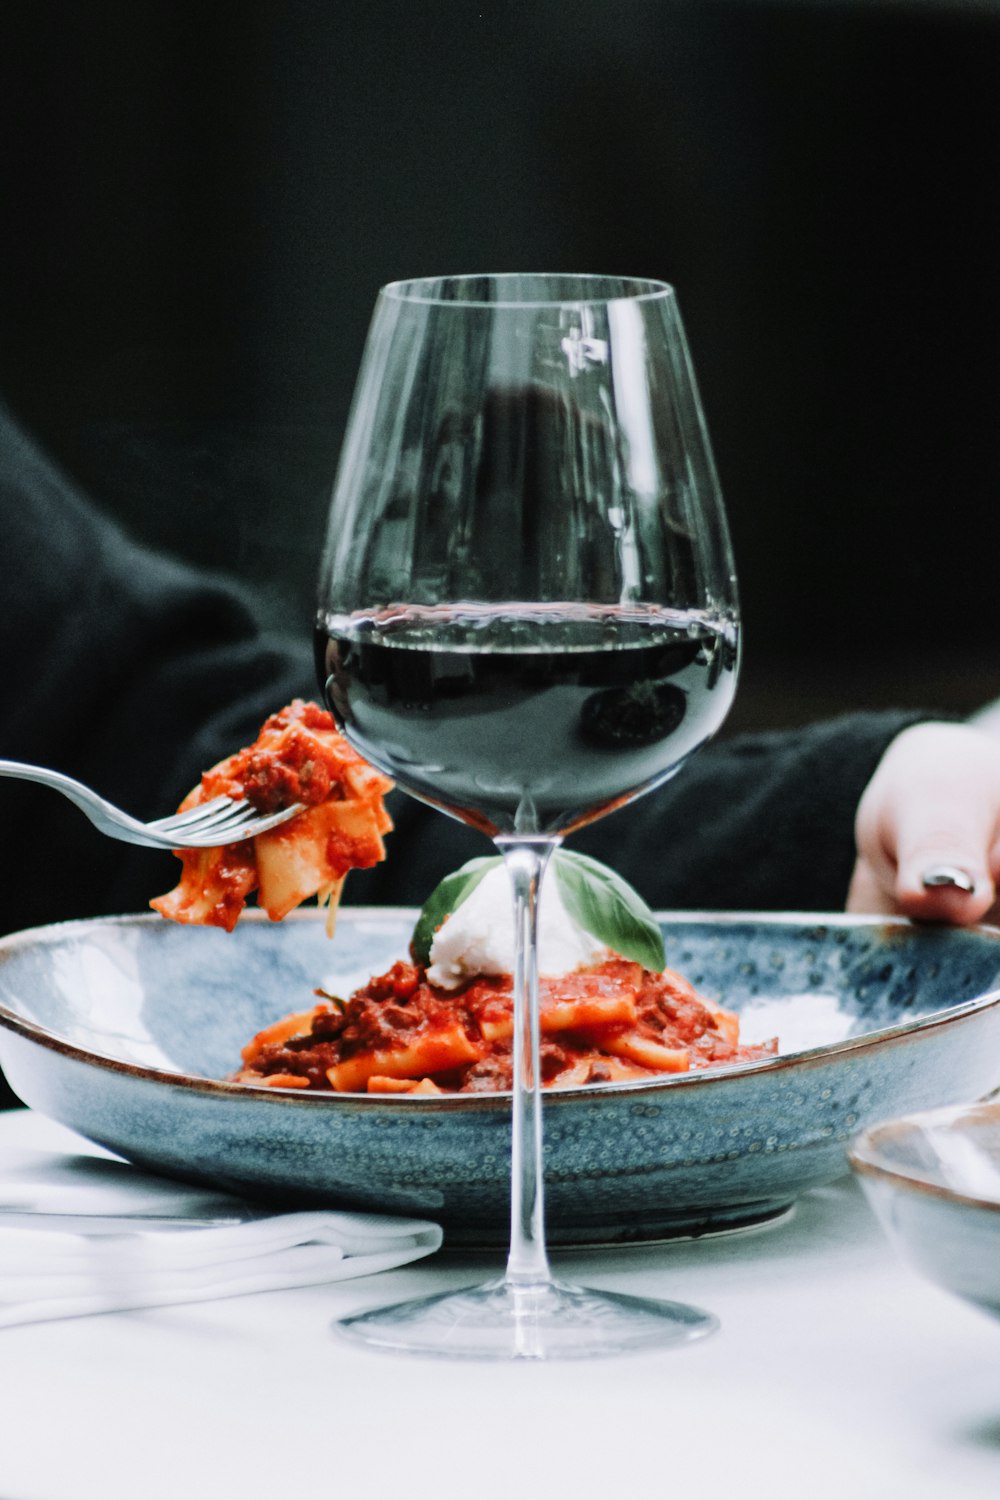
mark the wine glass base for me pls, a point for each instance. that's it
(551, 1320)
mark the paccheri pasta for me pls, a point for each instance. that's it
(399, 1034)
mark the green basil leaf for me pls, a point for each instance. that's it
(445, 899)
(607, 907)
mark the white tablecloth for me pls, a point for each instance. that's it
(838, 1372)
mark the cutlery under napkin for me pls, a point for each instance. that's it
(85, 1234)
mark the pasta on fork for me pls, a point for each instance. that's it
(298, 757)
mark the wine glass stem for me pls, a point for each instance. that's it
(527, 1263)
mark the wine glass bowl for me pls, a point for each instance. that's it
(527, 604)
(527, 616)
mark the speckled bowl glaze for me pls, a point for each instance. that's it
(933, 1180)
(123, 1028)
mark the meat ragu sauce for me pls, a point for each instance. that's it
(399, 1034)
(299, 757)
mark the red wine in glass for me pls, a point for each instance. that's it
(528, 720)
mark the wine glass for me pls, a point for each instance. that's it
(527, 617)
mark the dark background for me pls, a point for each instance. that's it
(200, 201)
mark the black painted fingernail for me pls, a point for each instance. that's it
(948, 875)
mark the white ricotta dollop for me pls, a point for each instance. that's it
(479, 937)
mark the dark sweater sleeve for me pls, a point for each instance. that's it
(759, 822)
(123, 668)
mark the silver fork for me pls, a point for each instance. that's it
(223, 820)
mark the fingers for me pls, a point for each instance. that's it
(927, 827)
(954, 893)
(871, 897)
(945, 903)
(942, 861)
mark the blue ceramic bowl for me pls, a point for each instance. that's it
(123, 1028)
(933, 1180)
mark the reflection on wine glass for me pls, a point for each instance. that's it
(527, 617)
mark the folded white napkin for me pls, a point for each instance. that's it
(86, 1234)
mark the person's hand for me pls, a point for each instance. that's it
(928, 828)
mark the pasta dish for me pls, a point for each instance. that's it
(442, 1022)
(402, 1035)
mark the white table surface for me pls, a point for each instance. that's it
(838, 1372)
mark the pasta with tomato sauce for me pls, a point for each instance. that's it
(299, 757)
(399, 1034)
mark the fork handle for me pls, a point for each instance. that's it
(105, 816)
(21, 771)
